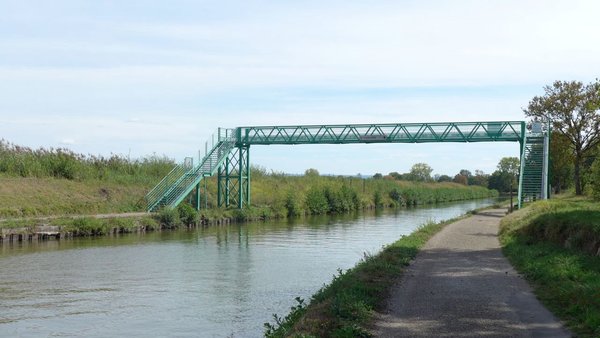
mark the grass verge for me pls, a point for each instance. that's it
(555, 245)
(345, 307)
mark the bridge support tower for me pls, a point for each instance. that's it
(233, 179)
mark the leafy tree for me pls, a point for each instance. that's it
(444, 178)
(378, 176)
(509, 165)
(464, 172)
(421, 172)
(396, 175)
(506, 175)
(480, 178)
(561, 162)
(573, 108)
(500, 181)
(311, 172)
(461, 179)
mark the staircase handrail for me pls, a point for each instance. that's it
(193, 177)
(164, 185)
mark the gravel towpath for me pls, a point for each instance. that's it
(460, 285)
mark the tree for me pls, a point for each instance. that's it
(465, 173)
(500, 181)
(396, 175)
(480, 178)
(311, 172)
(378, 176)
(561, 162)
(509, 165)
(444, 178)
(461, 179)
(572, 107)
(421, 172)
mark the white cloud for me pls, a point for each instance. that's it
(163, 82)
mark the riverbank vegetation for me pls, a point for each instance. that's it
(555, 244)
(46, 182)
(345, 307)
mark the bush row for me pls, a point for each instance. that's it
(336, 198)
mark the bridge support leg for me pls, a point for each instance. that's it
(234, 179)
(198, 197)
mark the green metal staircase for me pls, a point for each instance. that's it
(185, 177)
(533, 182)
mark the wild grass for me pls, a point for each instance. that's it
(344, 307)
(312, 194)
(46, 182)
(60, 182)
(18, 161)
(555, 244)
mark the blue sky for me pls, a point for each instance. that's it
(143, 77)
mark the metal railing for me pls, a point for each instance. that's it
(156, 194)
(182, 179)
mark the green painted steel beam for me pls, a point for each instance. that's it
(510, 131)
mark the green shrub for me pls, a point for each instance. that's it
(169, 218)
(377, 199)
(316, 202)
(187, 214)
(87, 227)
(293, 204)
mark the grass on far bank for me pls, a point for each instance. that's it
(51, 182)
(345, 307)
(555, 244)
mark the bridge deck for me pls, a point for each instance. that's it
(510, 131)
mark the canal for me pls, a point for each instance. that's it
(222, 281)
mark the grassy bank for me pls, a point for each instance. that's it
(345, 307)
(555, 244)
(45, 182)
(122, 189)
(51, 182)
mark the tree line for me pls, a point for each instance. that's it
(503, 179)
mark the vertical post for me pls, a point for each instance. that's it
(549, 172)
(522, 142)
(240, 177)
(227, 182)
(546, 148)
(511, 195)
(219, 183)
(248, 176)
(198, 196)
(205, 194)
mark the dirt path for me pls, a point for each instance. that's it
(460, 285)
(44, 218)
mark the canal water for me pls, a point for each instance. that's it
(222, 281)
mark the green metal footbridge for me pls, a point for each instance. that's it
(228, 154)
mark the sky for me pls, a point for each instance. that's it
(138, 78)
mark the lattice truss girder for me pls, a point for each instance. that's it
(381, 133)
